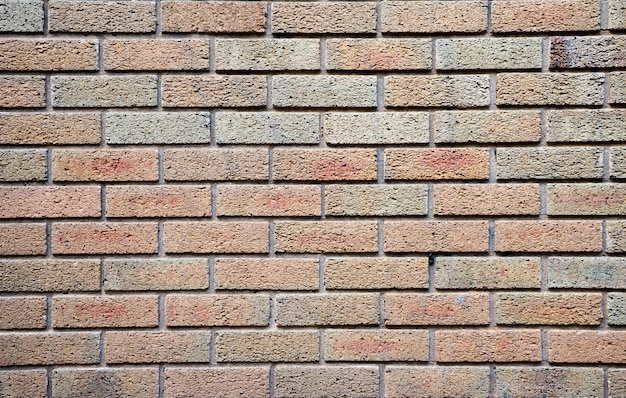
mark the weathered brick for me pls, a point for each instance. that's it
(548, 236)
(21, 16)
(549, 88)
(267, 346)
(482, 199)
(163, 274)
(376, 345)
(102, 16)
(324, 91)
(204, 164)
(152, 347)
(105, 165)
(49, 202)
(616, 304)
(217, 310)
(586, 272)
(328, 309)
(213, 17)
(268, 200)
(486, 126)
(437, 164)
(587, 52)
(216, 382)
(549, 163)
(326, 236)
(104, 311)
(267, 54)
(586, 346)
(216, 237)
(617, 89)
(617, 14)
(434, 16)
(22, 313)
(489, 53)
(22, 91)
(583, 199)
(104, 238)
(49, 275)
(22, 239)
(545, 15)
(617, 162)
(336, 17)
(104, 91)
(327, 381)
(376, 273)
(158, 201)
(586, 125)
(324, 164)
(23, 165)
(99, 382)
(376, 128)
(24, 383)
(378, 54)
(548, 309)
(375, 200)
(552, 381)
(156, 54)
(48, 55)
(488, 345)
(436, 382)
(49, 128)
(487, 273)
(615, 236)
(49, 348)
(616, 382)
(436, 309)
(266, 128)
(436, 236)
(462, 91)
(213, 91)
(266, 274)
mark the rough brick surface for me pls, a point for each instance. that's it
(487, 273)
(48, 55)
(213, 17)
(460, 54)
(548, 236)
(376, 54)
(104, 91)
(267, 274)
(49, 276)
(215, 382)
(121, 382)
(376, 273)
(49, 202)
(146, 275)
(156, 54)
(557, 381)
(217, 310)
(104, 238)
(17, 383)
(548, 309)
(615, 236)
(17, 239)
(617, 19)
(436, 236)
(617, 308)
(203, 164)
(448, 381)
(49, 129)
(481, 199)
(49, 348)
(213, 91)
(265, 346)
(549, 89)
(585, 273)
(549, 163)
(436, 309)
(376, 128)
(545, 15)
(587, 52)
(23, 165)
(21, 16)
(376, 345)
(215, 237)
(102, 16)
(434, 16)
(262, 54)
(326, 236)
(486, 126)
(330, 309)
(111, 311)
(266, 128)
(324, 91)
(593, 346)
(22, 312)
(462, 91)
(586, 125)
(324, 164)
(318, 382)
(592, 199)
(336, 17)
(104, 165)
(276, 201)
(151, 347)
(617, 90)
(161, 201)
(22, 92)
(487, 346)
(375, 200)
(437, 164)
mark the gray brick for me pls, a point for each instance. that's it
(586, 125)
(324, 91)
(376, 128)
(549, 163)
(157, 128)
(506, 53)
(21, 16)
(104, 91)
(267, 54)
(266, 128)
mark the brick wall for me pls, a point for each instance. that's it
(312, 199)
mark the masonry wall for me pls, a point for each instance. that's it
(312, 199)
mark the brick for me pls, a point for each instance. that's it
(328, 309)
(22, 91)
(48, 55)
(156, 347)
(102, 16)
(49, 128)
(436, 309)
(158, 201)
(375, 345)
(437, 164)
(104, 311)
(436, 382)
(49, 202)
(324, 164)
(549, 89)
(267, 54)
(617, 15)
(376, 128)
(586, 199)
(213, 17)
(267, 346)
(487, 273)
(571, 52)
(49, 348)
(91, 383)
(483, 199)
(376, 273)
(20, 383)
(487, 345)
(22, 313)
(325, 381)
(217, 310)
(268, 200)
(549, 163)
(548, 309)
(586, 125)
(486, 126)
(23, 165)
(378, 54)
(617, 162)
(616, 382)
(156, 54)
(548, 236)
(462, 91)
(545, 15)
(586, 346)
(104, 91)
(22, 239)
(326, 236)
(617, 89)
(324, 91)
(617, 309)
(216, 237)
(312, 18)
(586, 272)
(105, 165)
(213, 91)
(434, 16)
(375, 200)
(489, 53)
(615, 236)
(266, 274)
(21, 16)
(552, 381)
(216, 382)
(436, 236)
(104, 238)
(203, 164)
(163, 274)
(266, 128)
(49, 275)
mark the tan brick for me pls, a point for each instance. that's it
(267, 54)
(99, 382)
(104, 238)
(324, 164)
(375, 200)
(587, 52)
(102, 16)
(213, 17)
(48, 55)
(49, 128)
(586, 346)
(216, 237)
(49, 348)
(549, 163)
(327, 381)
(615, 236)
(49, 202)
(156, 54)
(213, 91)
(267, 346)
(23, 165)
(104, 91)
(378, 54)
(22, 16)
(545, 15)
(163, 274)
(329, 91)
(617, 162)
(487, 273)
(376, 273)
(22, 91)
(437, 164)
(49, 275)
(217, 310)
(486, 126)
(104, 311)
(586, 272)
(617, 15)
(328, 309)
(105, 165)
(204, 164)
(375, 345)
(158, 201)
(488, 345)
(548, 236)
(434, 16)
(617, 382)
(436, 309)
(617, 89)
(552, 381)
(436, 382)
(583, 199)
(266, 274)
(24, 383)
(268, 200)
(22, 239)
(483, 199)
(216, 382)
(376, 128)
(326, 236)
(336, 17)
(548, 309)
(266, 128)
(549, 88)
(489, 53)
(463, 91)
(436, 236)
(153, 347)
(586, 125)
(22, 312)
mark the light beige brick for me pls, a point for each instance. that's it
(549, 163)
(324, 164)
(436, 309)
(217, 310)
(213, 91)
(545, 15)
(486, 126)
(617, 89)
(489, 53)
(335, 17)
(32, 128)
(104, 237)
(436, 164)
(376, 273)
(615, 236)
(104, 311)
(213, 17)
(437, 382)
(552, 381)
(350, 128)
(22, 91)
(267, 54)
(22, 313)
(548, 236)
(617, 14)
(586, 199)
(326, 236)
(617, 162)
(157, 347)
(18, 239)
(570, 52)
(487, 273)
(50, 348)
(158, 201)
(105, 165)
(266, 274)
(486, 199)
(120, 382)
(548, 309)
(549, 89)
(20, 383)
(204, 164)
(324, 91)
(488, 345)
(586, 125)
(102, 16)
(266, 128)
(375, 200)
(463, 16)
(104, 91)
(327, 310)
(462, 91)
(578, 346)
(436, 236)
(378, 54)
(252, 382)
(49, 202)
(163, 274)
(215, 237)
(267, 346)
(586, 272)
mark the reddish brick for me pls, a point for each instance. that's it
(49, 128)
(217, 310)
(545, 15)
(22, 312)
(105, 165)
(101, 382)
(462, 91)
(22, 239)
(487, 273)
(439, 382)
(266, 274)
(326, 381)
(437, 164)
(24, 383)
(436, 309)
(22, 91)
(549, 382)
(548, 236)
(216, 382)
(587, 346)
(376, 345)
(49, 275)
(327, 309)
(436, 236)
(104, 311)
(482, 199)
(203, 164)
(163, 274)
(326, 236)
(488, 345)
(335, 17)
(49, 348)
(376, 273)
(49, 202)
(216, 237)
(548, 309)
(583, 199)
(228, 91)
(48, 55)
(101, 16)
(213, 17)
(156, 54)
(324, 164)
(267, 346)
(272, 201)
(151, 347)
(104, 238)
(158, 201)
(378, 54)
(434, 16)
